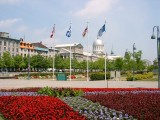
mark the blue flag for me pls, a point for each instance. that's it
(68, 33)
(100, 32)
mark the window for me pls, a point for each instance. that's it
(8, 48)
(4, 48)
(12, 49)
(17, 44)
(0, 42)
(4, 43)
(16, 49)
(8, 43)
(13, 44)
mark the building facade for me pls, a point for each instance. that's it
(20, 47)
(9, 44)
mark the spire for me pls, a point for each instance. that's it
(112, 53)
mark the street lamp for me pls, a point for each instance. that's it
(105, 67)
(28, 69)
(28, 64)
(134, 48)
(158, 51)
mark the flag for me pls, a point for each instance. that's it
(85, 31)
(68, 33)
(53, 31)
(100, 32)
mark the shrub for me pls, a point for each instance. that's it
(60, 92)
(99, 76)
(130, 76)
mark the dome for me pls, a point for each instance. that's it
(98, 47)
(98, 42)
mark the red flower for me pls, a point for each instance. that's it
(36, 107)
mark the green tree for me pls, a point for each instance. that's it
(100, 64)
(119, 62)
(1, 63)
(83, 65)
(18, 62)
(110, 64)
(140, 65)
(7, 60)
(128, 62)
(60, 63)
(38, 61)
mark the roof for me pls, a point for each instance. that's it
(98, 42)
(68, 45)
(39, 44)
(10, 39)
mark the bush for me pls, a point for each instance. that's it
(60, 92)
(37, 75)
(99, 76)
(130, 76)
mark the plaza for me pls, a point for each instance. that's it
(22, 83)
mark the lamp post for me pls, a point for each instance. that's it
(28, 64)
(158, 51)
(106, 68)
(134, 48)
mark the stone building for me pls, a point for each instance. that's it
(9, 44)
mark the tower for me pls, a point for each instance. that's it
(98, 47)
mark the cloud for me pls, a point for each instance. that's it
(8, 22)
(94, 8)
(41, 31)
(9, 1)
(22, 29)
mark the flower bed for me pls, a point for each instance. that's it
(36, 108)
(141, 105)
(106, 103)
(94, 111)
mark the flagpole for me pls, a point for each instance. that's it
(53, 51)
(87, 54)
(70, 56)
(105, 66)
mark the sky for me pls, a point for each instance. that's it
(127, 22)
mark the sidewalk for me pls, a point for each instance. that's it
(21, 83)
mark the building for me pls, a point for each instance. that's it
(75, 48)
(35, 49)
(98, 47)
(9, 44)
(20, 47)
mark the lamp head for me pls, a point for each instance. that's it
(153, 37)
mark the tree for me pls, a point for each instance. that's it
(128, 62)
(83, 65)
(38, 61)
(61, 63)
(1, 63)
(110, 65)
(18, 62)
(7, 60)
(140, 65)
(119, 62)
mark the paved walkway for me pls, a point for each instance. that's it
(20, 83)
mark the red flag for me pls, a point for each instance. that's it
(53, 31)
(85, 31)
